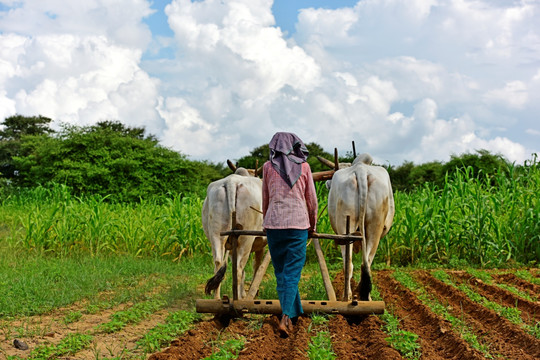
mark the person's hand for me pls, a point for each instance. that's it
(310, 233)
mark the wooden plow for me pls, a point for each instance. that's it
(237, 307)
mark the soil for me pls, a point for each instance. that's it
(352, 338)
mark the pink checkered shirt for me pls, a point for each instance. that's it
(285, 207)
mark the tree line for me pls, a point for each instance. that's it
(407, 176)
(107, 159)
(127, 164)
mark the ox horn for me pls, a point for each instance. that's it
(231, 165)
(336, 162)
(353, 150)
(326, 162)
(256, 167)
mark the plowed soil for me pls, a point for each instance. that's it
(351, 338)
(363, 338)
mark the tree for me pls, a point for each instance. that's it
(484, 164)
(112, 159)
(17, 126)
(400, 176)
(14, 128)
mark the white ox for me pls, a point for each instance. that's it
(242, 193)
(364, 193)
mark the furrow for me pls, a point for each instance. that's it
(504, 337)
(530, 310)
(437, 339)
(360, 339)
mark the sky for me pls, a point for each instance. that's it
(406, 80)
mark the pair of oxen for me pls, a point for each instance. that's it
(359, 191)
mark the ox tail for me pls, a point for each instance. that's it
(365, 277)
(231, 201)
(213, 283)
(362, 193)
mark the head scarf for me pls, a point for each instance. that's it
(287, 153)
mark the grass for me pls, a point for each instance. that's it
(72, 316)
(31, 285)
(132, 315)
(69, 345)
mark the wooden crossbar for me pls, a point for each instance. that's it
(339, 238)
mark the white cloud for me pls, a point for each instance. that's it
(514, 95)
(185, 127)
(78, 80)
(117, 20)
(407, 80)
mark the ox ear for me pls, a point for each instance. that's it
(328, 184)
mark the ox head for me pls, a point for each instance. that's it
(364, 158)
(243, 171)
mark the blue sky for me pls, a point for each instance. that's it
(213, 79)
(285, 13)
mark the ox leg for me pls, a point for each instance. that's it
(217, 292)
(364, 286)
(244, 249)
(369, 247)
(257, 260)
(220, 266)
(347, 270)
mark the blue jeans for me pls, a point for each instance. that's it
(288, 250)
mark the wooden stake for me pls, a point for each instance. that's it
(324, 271)
(234, 243)
(257, 278)
(347, 262)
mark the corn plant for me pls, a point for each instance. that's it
(468, 220)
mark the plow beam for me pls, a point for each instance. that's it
(238, 307)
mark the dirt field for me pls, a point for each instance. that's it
(364, 339)
(351, 339)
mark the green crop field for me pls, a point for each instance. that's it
(464, 221)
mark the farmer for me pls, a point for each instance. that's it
(290, 215)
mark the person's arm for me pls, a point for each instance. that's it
(311, 200)
(265, 194)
